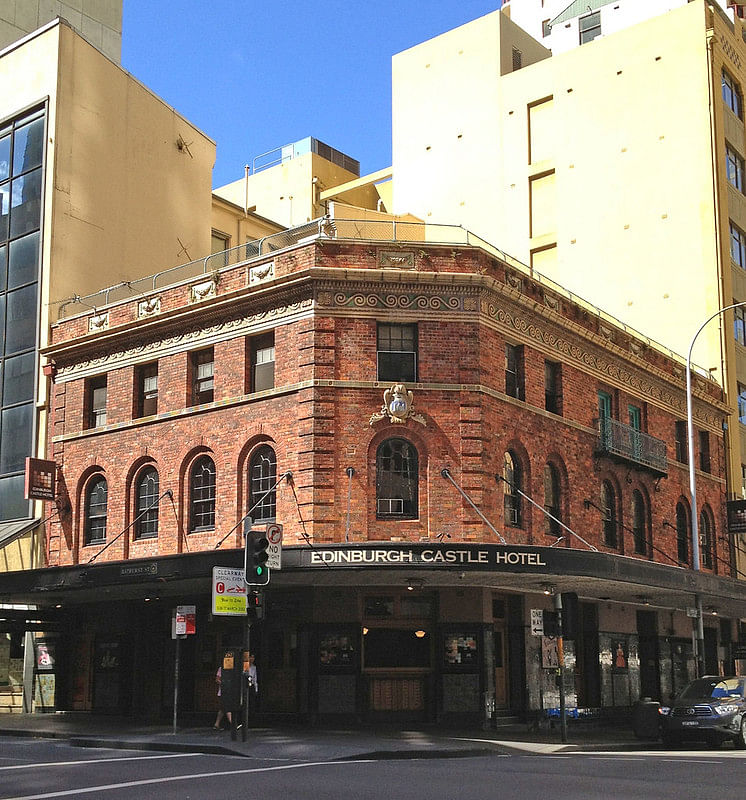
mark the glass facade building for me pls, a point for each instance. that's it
(21, 180)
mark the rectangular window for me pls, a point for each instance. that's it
(546, 28)
(680, 442)
(397, 352)
(742, 403)
(147, 390)
(604, 405)
(739, 324)
(704, 451)
(635, 417)
(97, 401)
(589, 27)
(514, 371)
(737, 245)
(732, 94)
(262, 362)
(734, 168)
(604, 415)
(517, 59)
(219, 244)
(552, 387)
(203, 363)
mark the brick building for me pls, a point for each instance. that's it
(446, 440)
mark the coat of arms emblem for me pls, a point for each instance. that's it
(398, 406)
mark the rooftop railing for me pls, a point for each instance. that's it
(340, 229)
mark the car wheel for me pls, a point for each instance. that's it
(740, 740)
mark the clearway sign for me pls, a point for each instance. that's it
(228, 592)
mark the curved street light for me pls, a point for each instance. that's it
(700, 633)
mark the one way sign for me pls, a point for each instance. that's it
(274, 549)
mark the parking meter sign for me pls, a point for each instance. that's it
(274, 549)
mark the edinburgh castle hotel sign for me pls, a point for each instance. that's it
(464, 557)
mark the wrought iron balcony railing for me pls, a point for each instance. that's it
(625, 443)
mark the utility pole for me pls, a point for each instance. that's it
(561, 659)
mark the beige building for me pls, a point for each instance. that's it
(95, 182)
(615, 169)
(292, 184)
(99, 21)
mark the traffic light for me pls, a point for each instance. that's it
(255, 566)
(255, 605)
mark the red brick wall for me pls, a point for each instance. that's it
(320, 430)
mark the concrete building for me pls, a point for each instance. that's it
(273, 387)
(613, 168)
(100, 182)
(291, 184)
(99, 21)
(562, 26)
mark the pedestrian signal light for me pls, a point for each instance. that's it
(256, 569)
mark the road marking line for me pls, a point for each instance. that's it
(97, 761)
(619, 758)
(194, 776)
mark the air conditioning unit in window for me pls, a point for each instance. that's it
(511, 516)
(390, 505)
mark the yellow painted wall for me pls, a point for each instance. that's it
(25, 552)
(240, 227)
(634, 230)
(287, 194)
(128, 202)
(120, 200)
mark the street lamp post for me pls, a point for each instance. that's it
(700, 633)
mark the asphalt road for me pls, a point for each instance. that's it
(32, 768)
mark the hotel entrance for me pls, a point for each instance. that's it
(397, 655)
(500, 653)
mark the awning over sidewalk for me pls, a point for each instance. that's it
(524, 569)
(10, 531)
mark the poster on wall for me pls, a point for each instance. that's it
(549, 653)
(460, 649)
(619, 655)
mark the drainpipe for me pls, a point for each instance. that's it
(350, 472)
(246, 191)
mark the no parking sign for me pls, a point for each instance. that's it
(274, 549)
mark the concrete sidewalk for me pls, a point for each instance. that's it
(304, 743)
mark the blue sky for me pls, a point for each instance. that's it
(256, 75)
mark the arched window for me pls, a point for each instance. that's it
(146, 507)
(705, 539)
(683, 532)
(639, 523)
(608, 515)
(262, 477)
(202, 495)
(511, 499)
(552, 500)
(396, 479)
(95, 510)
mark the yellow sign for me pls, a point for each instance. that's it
(229, 604)
(228, 591)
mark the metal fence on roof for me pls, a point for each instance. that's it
(339, 229)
